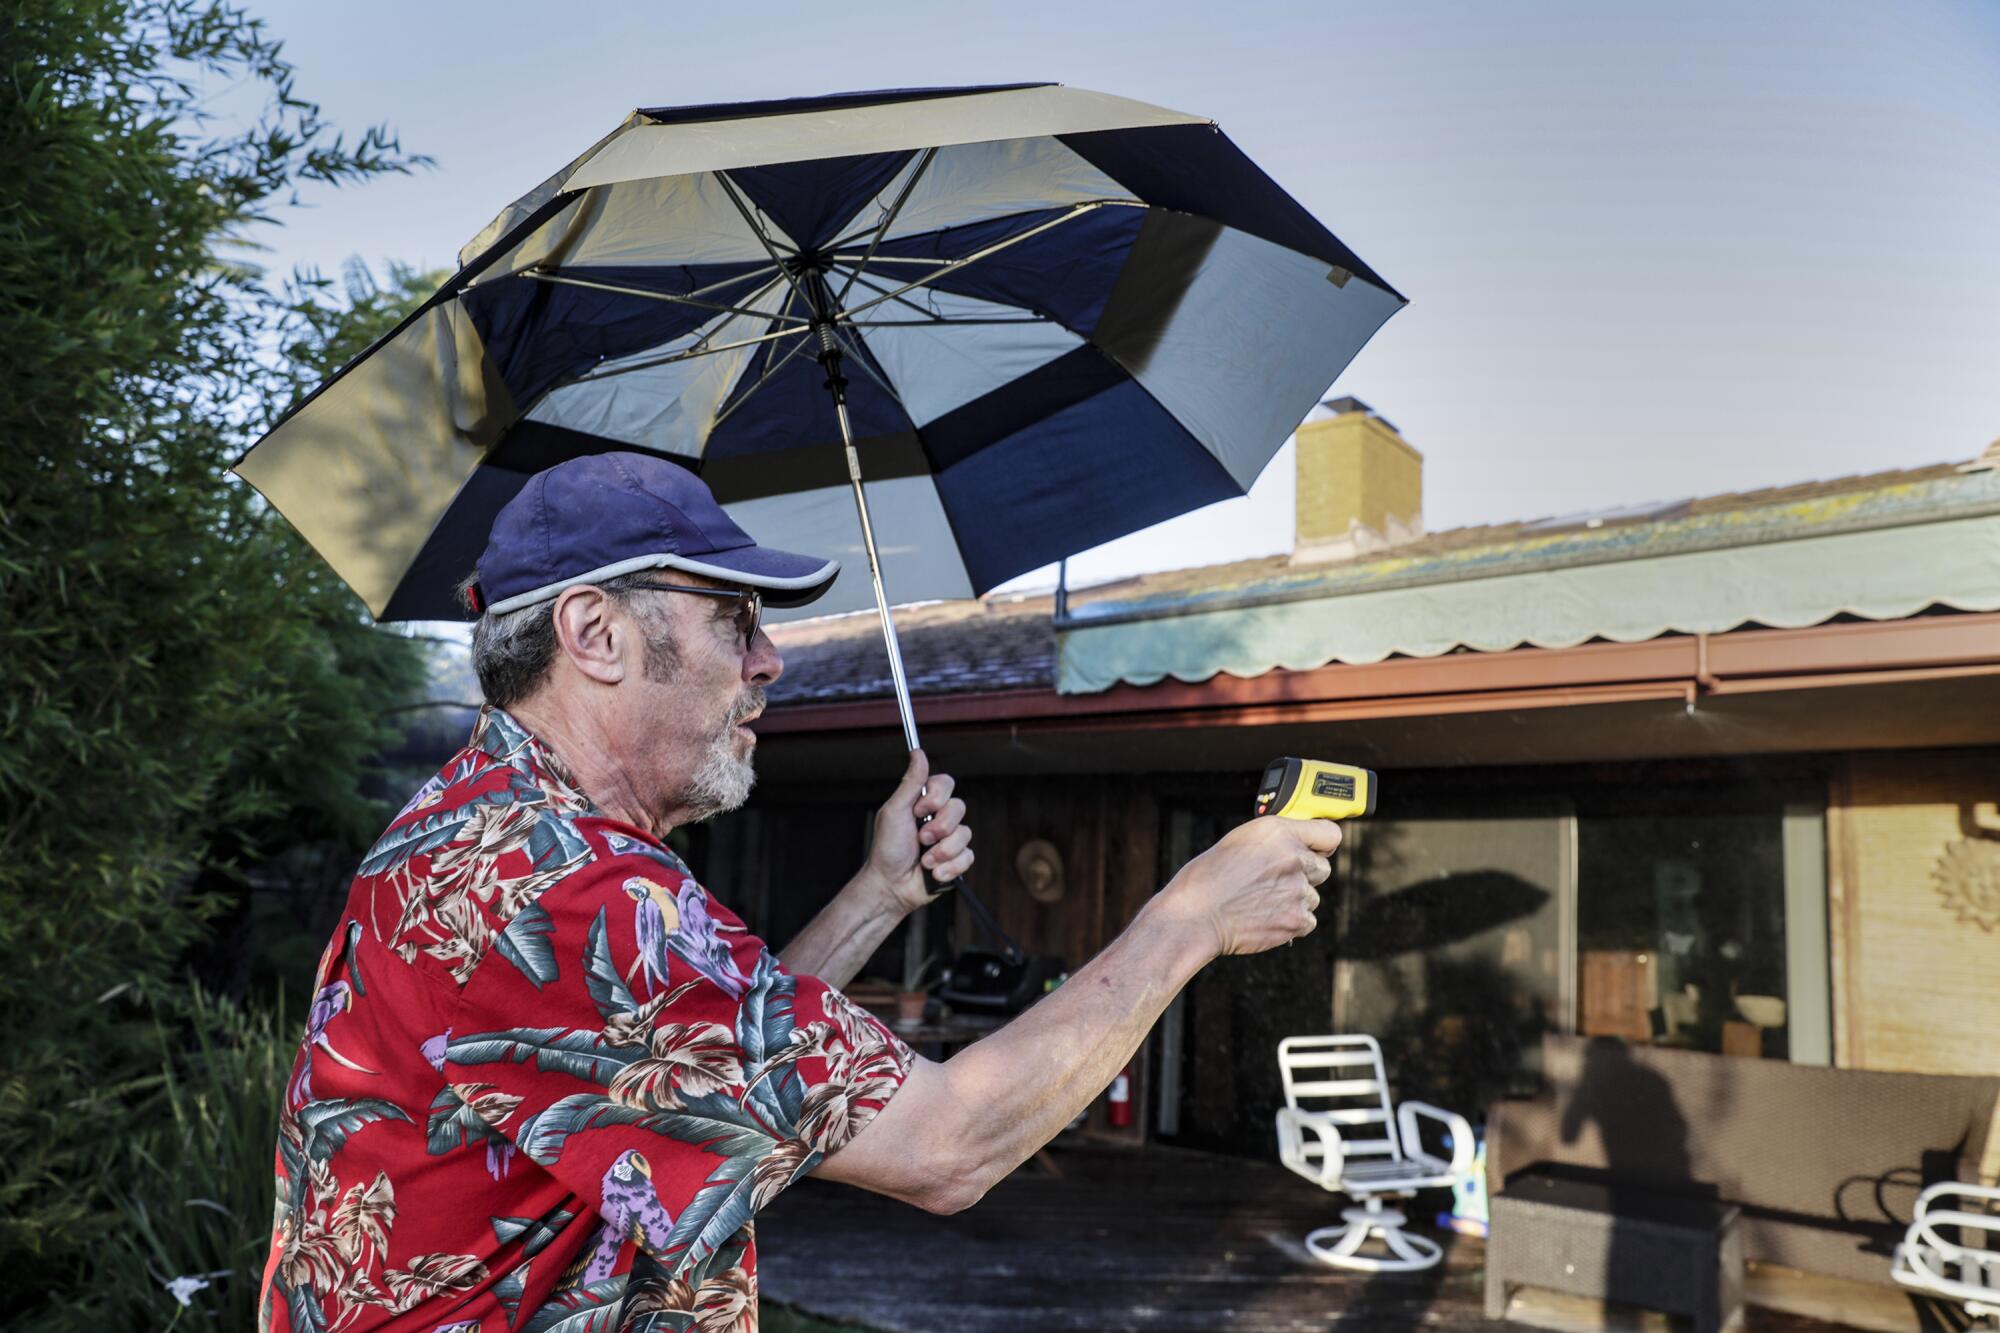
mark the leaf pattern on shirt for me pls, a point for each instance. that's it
(433, 1275)
(727, 1303)
(519, 1037)
(690, 1058)
(332, 1263)
(695, 1081)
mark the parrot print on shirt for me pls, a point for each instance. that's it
(547, 1080)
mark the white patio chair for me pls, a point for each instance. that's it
(1338, 1130)
(1959, 1270)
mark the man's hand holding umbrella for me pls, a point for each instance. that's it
(922, 845)
(922, 842)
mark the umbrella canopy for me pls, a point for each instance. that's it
(1062, 317)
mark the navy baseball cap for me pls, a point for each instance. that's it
(602, 515)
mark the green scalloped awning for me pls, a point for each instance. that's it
(1880, 556)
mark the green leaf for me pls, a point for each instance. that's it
(764, 1026)
(327, 1125)
(607, 989)
(538, 1230)
(764, 1020)
(544, 1134)
(508, 1291)
(304, 1308)
(453, 1124)
(718, 1210)
(424, 835)
(526, 944)
(554, 840)
(590, 1309)
(579, 1052)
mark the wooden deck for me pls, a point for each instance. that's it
(1157, 1240)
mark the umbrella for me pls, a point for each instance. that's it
(1000, 324)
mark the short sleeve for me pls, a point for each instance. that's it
(659, 1061)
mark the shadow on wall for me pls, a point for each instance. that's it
(1459, 1023)
(1446, 910)
(1638, 1120)
(1644, 1134)
(1458, 1034)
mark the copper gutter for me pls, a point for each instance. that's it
(1678, 667)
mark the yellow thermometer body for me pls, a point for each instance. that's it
(1316, 789)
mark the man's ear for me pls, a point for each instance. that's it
(596, 639)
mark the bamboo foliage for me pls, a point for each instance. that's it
(188, 691)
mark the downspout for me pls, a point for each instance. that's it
(1704, 681)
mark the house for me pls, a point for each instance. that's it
(1719, 773)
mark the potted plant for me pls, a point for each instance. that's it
(918, 974)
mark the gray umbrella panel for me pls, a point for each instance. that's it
(643, 148)
(1228, 335)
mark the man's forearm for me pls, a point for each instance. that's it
(1023, 1084)
(846, 933)
(957, 1128)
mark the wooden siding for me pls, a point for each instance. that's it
(1916, 912)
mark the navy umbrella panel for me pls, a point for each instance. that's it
(1060, 317)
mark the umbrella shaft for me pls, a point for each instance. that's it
(902, 684)
(836, 383)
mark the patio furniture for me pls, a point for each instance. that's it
(1338, 1130)
(1826, 1164)
(1954, 1270)
(1615, 1243)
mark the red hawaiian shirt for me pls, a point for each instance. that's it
(547, 1081)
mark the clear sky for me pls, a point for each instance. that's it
(1652, 250)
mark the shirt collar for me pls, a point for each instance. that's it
(500, 736)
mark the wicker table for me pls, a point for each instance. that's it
(1661, 1251)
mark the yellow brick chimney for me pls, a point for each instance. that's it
(1360, 484)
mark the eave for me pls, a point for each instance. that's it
(1678, 667)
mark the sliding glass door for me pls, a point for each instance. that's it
(1455, 932)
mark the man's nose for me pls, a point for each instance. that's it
(763, 664)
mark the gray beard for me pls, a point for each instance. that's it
(723, 781)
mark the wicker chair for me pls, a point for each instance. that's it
(1957, 1270)
(1338, 1130)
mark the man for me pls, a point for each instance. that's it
(546, 1073)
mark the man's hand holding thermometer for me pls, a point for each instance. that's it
(1258, 887)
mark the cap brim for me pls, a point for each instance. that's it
(784, 577)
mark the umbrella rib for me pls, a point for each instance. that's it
(894, 259)
(874, 228)
(700, 348)
(932, 317)
(927, 323)
(905, 301)
(1007, 244)
(770, 247)
(854, 355)
(688, 355)
(544, 275)
(770, 371)
(887, 222)
(741, 277)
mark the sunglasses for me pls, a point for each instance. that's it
(749, 604)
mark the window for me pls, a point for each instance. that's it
(1696, 903)
(1454, 925)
